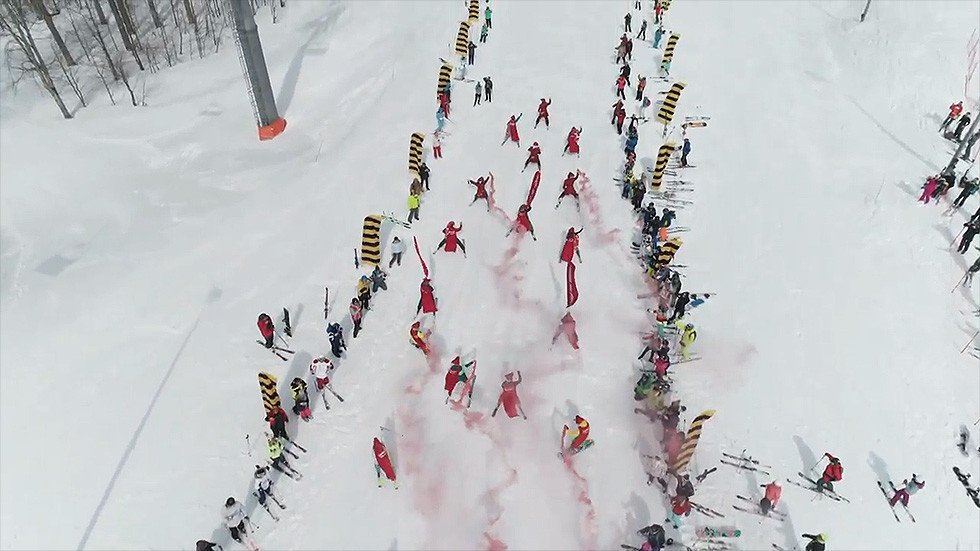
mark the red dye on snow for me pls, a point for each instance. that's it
(590, 530)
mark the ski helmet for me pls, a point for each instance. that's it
(229, 502)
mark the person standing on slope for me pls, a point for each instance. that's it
(336, 335)
(440, 119)
(427, 300)
(479, 94)
(321, 368)
(954, 112)
(641, 85)
(437, 144)
(817, 542)
(424, 175)
(451, 239)
(454, 376)
(626, 22)
(397, 249)
(579, 434)
(568, 189)
(509, 398)
(658, 36)
(570, 248)
(620, 87)
(543, 113)
(277, 420)
(969, 188)
(483, 33)
(642, 35)
(929, 189)
(481, 190)
(619, 117)
(235, 519)
(512, 134)
(471, 50)
(267, 329)
(523, 222)
(533, 156)
(571, 143)
(834, 472)
(688, 336)
(909, 487)
(768, 503)
(364, 291)
(414, 202)
(488, 89)
(972, 228)
(356, 315)
(625, 72)
(656, 539)
(262, 489)
(487, 15)
(960, 127)
(382, 462)
(301, 398)
(685, 151)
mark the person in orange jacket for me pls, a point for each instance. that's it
(773, 491)
(834, 472)
(954, 112)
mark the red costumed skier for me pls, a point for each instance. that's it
(512, 134)
(451, 239)
(427, 301)
(533, 156)
(579, 434)
(568, 188)
(571, 143)
(417, 336)
(481, 191)
(382, 463)
(454, 376)
(543, 113)
(570, 248)
(523, 223)
(508, 397)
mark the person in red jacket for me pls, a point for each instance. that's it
(621, 87)
(620, 116)
(444, 103)
(451, 239)
(570, 248)
(277, 419)
(427, 300)
(382, 463)
(267, 329)
(571, 143)
(679, 507)
(508, 397)
(481, 191)
(523, 222)
(543, 113)
(512, 134)
(533, 156)
(834, 472)
(568, 188)
(773, 491)
(954, 113)
(454, 376)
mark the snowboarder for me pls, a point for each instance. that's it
(418, 336)
(972, 228)
(571, 143)
(642, 35)
(382, 462)
(424, 174)
(414, 202)
(511, 133)
(277, 420)
(523, 222)
(834, 472)
(301, 398)
(641, 85)
(487, 14)
(451, 239)
(454, 376)
(579, 434)
(437, 144)
(488, 88)
(508, 396)
(960, 127)
(471, 50)
(568, 189)
(321, 368)
(427, 300)
(481, 190)
(620, 87)
(769, 501)
(356, 315)
(533, 156)
(685, 151)
(543, 113)
(336, 335)
(235, 519)
(397, 249)
(267, 329)
(909, 487)
(817, 542)
(954, 112)
(570, 248)
(657, 36)
(378, 277)
(479, 93)
(626, 22)
(262, 489)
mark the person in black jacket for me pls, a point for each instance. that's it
(817, 542)
(424, 174)
(972, 228)
(961, 126)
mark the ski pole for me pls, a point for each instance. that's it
(968, 343)
(281, 338)
(248, 446)
(330, 388)
(819, 461)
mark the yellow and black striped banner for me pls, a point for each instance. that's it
(663, 155)
(666, 113)
(667, 251)
(371, 240)
(693, 435)
(463, 39)
(669, 49)
(270, 395)
(415, 152)
(664, 6)
(474, 11)
(445, 73)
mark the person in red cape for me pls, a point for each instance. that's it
(543, 113)
(417, 336)
(570, 248)
(427, 300)
(481, 190)
(523, 222)
(454, 376)
(512, 134)
(571, 143)
(533, 156)
(568, 189)
(508, 397)
(382, 463)
(451, 239)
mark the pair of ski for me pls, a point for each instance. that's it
(745, 463)
(964, 479)
(774, 514)
(394, 220)
(265, 505)
(881, 487)
(277, 350)
(813, 488)
(711, 513)
(326, 404)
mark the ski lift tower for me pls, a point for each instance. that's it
(256, 74)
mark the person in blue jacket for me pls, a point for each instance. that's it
(440, 119)
(657, 35)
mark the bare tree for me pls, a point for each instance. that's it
(98, 10)
(155, 14)
(45, 15)
(14, 22)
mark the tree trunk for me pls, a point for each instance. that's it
(42, 11)
(123, 29)
(155, 14)
(13, 20)
(98, 10)
(192, 18)
(865, 12)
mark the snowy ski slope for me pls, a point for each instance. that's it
(138, 246)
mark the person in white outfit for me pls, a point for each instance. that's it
(397, 248)
(658, 472)
(235, 519)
